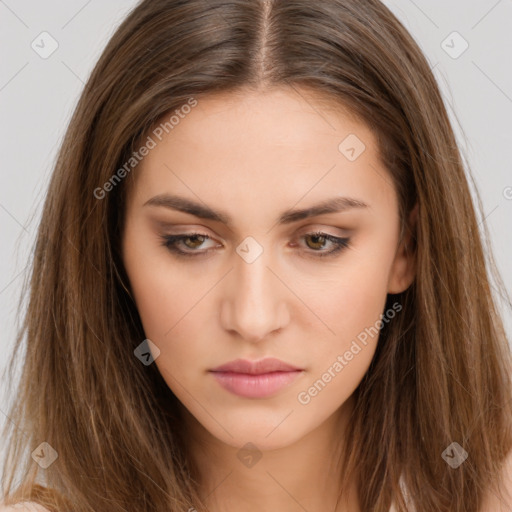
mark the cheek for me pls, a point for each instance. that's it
(161, 296)
(169, 303)
(353, 309)
(351, 299)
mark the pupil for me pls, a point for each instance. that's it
(318, 237)
(195, 237)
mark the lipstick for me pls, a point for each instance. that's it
(255, 379)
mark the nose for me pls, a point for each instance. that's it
(254, 306)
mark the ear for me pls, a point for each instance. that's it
(403, 269)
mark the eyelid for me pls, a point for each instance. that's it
(328, 230)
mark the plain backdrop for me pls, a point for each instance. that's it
(468, 44)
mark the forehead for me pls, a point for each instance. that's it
(286, 118)
(283, 144)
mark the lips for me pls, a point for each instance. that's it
(262, 366)
(255, 379)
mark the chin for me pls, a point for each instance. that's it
(265, 434)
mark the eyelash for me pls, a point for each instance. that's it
(171, 241)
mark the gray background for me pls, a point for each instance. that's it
(37, 97)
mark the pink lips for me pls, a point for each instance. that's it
(255, 379)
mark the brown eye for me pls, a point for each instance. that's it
(318, 240)
(199, 238)
(191, 242)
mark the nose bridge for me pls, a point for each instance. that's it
(254, 307)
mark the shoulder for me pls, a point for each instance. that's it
(500, 499)
(25, 506)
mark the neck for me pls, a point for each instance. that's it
(305, 475)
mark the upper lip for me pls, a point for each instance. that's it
(266, 365)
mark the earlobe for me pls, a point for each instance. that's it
(403, 269)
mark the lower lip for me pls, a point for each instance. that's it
(255, 386)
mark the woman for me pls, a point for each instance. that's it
(259, 281)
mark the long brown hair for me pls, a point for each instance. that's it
(441, 372)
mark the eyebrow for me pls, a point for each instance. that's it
(182, 204)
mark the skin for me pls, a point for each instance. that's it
(254, 155)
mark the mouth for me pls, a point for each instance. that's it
(256, 379)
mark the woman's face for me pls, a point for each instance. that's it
(254, 281)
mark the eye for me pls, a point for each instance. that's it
(188, 244)
(319, 239)
(190, 241)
